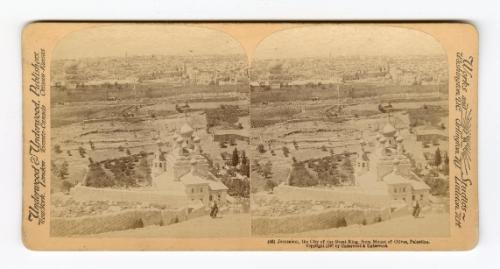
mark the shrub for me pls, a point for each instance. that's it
(286, 151)
(82, 152)
(267, 169)
(261, 149)
(270, 185)
(57, 149)
(341, 222)
(66, 186)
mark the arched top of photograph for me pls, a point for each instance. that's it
(146, 40)
(347, 41)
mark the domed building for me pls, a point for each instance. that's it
(185, 170)
(388, 169)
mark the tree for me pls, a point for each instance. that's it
(53, 167)
(63, 172)
(57, 149)
(244, 159)
(222, 144)
(437, 158)
(261, 149)
(347, 170)
(301, 177)
(128, 152)
(82, 152)
(256, 166)
(66, 186)
(286, 151)
(236, 158)
(96, 177)
(144, 170)
(92, 146)
(270, 185)
(124, 172)
(295, 145)
(267, 169)
(446, 164)
(232, 142)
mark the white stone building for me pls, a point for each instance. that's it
(387, 169)
(184, 170)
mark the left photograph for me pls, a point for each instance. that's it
(149, 133)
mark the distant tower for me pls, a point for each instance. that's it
(159, 164)
(382, 146)
(197, 146)
(389, 133)
(186, 133)
(363, 161)
(400, 147)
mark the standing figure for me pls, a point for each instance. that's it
(416, 209)
(214, 210)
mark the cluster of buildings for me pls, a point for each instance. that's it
(180, 179)
(172, 70)
(184, 171)
(273, 74)
(386, 169)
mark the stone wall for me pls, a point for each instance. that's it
(170, 199)
(128, 219)
(325, 220)
(124, 220)
(291, 193)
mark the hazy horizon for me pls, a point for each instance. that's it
(345, 41)
(143, 40)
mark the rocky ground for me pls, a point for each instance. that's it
(427, 225)
(269, 206)
(66, 207)
(230, 225)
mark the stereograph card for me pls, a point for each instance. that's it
(250, 136)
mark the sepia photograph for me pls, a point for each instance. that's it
(349, 133)
(149, 133)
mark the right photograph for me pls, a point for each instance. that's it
(349, 133)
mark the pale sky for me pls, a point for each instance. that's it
(116, 40)
(346, 40)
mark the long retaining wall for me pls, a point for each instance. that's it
(291, 193)
(174, 200)
(329, 219)
(124, 220)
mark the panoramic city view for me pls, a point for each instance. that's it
(170, 131)
(349, 133)
(150, 133)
